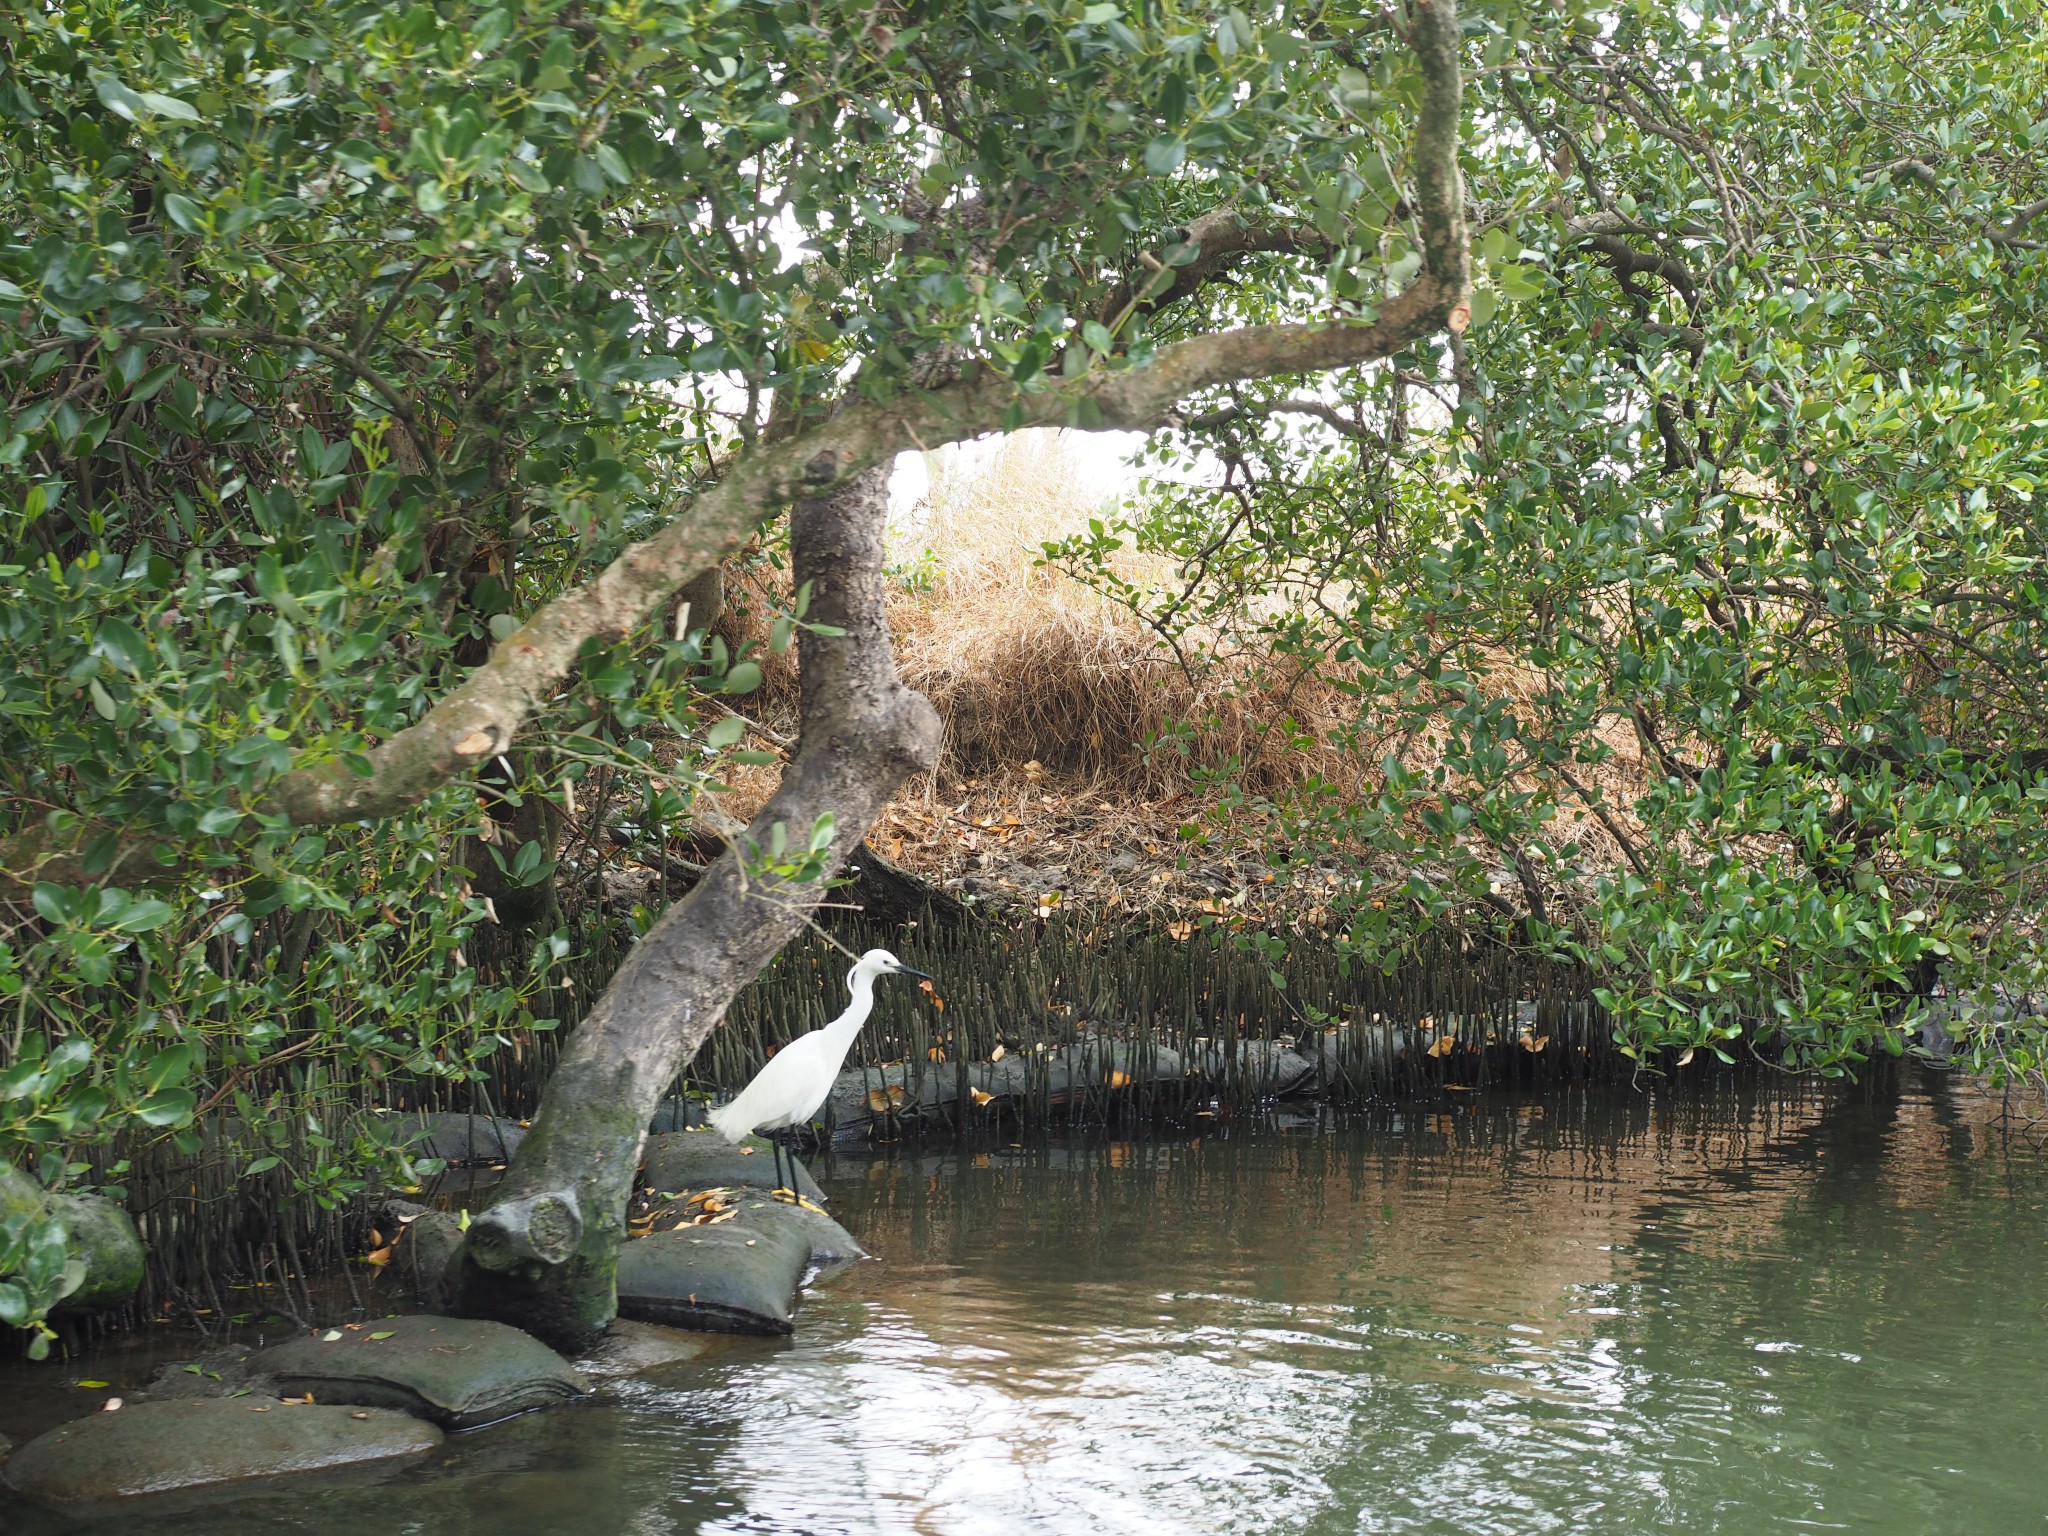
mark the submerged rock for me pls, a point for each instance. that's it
(633, 1349)
(688, 1160)
(157, 1447)
(458, 1372)
(738, 1275)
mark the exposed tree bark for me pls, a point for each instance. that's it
(544, 1256)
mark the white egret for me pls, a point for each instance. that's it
(797, 1079)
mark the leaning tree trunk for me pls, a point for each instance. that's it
(545, 1255)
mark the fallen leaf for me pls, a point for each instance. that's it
(1179, 930)
(300, 1402)
(359, 1415)
(330, 1336)
(475, 744)
(110, 1405)
(1535, 1042)
(378, 1256)
(387, 1333)
(979, 1097)
(1444, 1045)
(1685, 1060)
(95, 1383)
(1119, 1079)
(996, 1054)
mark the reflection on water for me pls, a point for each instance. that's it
(1773, 1308)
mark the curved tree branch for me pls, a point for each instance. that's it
(479, 718)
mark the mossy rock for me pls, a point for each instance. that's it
(158, 1447)
(683, 1161)
(101, 1232)
(735, 1276)
(458, 1372)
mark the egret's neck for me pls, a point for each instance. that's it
(848, 1024)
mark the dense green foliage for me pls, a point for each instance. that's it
(1740, 486)
(338, 338)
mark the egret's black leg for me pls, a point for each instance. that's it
(785, 1169)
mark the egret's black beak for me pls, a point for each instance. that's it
(904, 970)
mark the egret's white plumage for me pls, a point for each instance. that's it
(791, 1088)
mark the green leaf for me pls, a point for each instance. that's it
(724, 733)
(168, 106)
(1163, 156)
(219, 820)
(121, 643)
(173, 1106)
(744, 677)
(185, 213)
(119, 100)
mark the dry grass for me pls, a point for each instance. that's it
(1075, 740)
(1025, 664)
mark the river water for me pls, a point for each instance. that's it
(1759, 1308)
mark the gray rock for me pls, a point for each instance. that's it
(635, 1349)
(738, 1276)
(459, 1138)
(101, 1233)
(458, 1372)
(690, 1160)
(156, 1447)
(677, 1115)
(423, 1241)
(214, 1374)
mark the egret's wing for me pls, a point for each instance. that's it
(781, 1092)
